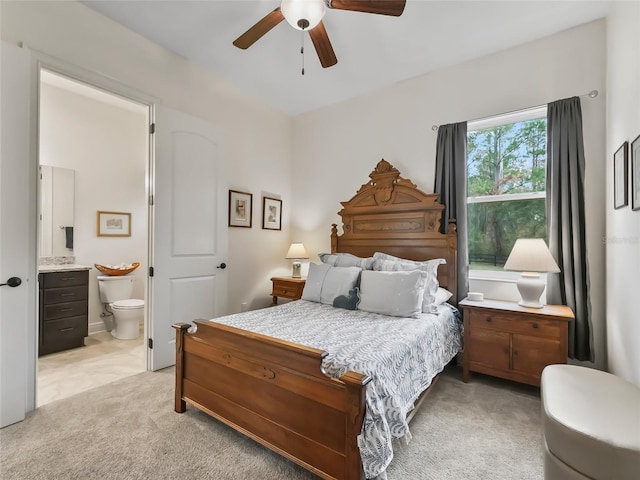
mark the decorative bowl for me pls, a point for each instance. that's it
(115, 272)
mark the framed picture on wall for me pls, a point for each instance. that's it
(114, 224)
(271, 213)
(620, 179)
(635, 174)
(240, 209)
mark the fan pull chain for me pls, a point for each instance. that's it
(302, 49)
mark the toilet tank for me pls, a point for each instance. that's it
(113, 289)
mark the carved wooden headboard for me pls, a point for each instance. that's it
(390, 214)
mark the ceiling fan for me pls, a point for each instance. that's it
(306, 15)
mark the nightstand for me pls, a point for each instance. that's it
(506, 340)
(286, 287)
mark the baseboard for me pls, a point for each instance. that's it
(97, 327)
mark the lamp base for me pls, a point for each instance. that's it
(530, 287)
(296, 271)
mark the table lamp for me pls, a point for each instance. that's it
(531, 256)
(296, 253)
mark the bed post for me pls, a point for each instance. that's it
(452, 241)
(356, 392)
(181, 328)
(334, 237)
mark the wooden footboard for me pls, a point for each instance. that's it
(274, 392)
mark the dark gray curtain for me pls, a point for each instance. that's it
(451, 184)
(566, 221)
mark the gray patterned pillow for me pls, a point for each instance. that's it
(388, 263)
(346, 260)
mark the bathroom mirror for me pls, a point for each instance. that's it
(57, 196)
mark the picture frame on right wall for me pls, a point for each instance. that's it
(620, 178)
(635, 174)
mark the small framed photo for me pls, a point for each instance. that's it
(240, 209)
(271, 213)
(635, 174)
(113, 224)
(620, 179)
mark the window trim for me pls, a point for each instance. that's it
(507, 118)
(507, 197)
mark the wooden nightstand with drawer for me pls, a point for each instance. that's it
(506, 340)
(286, 287)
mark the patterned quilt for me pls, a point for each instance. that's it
(401, 355)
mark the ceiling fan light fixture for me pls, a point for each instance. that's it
(303, 14)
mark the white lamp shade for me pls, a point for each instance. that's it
(310, 10)
(531, 255)
(296, 251)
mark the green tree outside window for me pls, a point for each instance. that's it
(504, 161)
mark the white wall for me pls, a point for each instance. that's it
(623, 225)
(256, 138)
(106, 146)
(336, 147)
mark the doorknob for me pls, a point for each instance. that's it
(12, 282)
(222, 266)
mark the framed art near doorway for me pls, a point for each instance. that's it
(113, 224)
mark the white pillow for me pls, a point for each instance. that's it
(338, 281)
(442, 295)
(315, 279)
(346, 260)
(325, 283)
(386, 262)
(398, 294)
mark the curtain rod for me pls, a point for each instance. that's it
(591, 94)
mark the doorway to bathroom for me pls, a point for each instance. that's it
(93, 209)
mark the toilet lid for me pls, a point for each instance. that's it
(128, 304)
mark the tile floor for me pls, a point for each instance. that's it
(103, 359)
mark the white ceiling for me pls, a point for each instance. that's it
(373, 51)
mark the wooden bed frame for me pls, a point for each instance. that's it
(310, 418)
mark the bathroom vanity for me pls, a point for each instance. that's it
(64, 307)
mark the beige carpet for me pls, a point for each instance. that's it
(486, 429)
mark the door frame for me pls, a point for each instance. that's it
(44, 61)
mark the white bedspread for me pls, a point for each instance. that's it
(401, 355)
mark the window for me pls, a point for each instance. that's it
(506, 168)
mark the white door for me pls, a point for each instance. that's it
(189, 229)
(17, 238)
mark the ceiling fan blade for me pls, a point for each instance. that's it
(381, 7)
(256, 32)
(323, 46)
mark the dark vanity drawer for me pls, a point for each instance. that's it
(63, 334)
(61, 310)
(66, 279)
(70, 294)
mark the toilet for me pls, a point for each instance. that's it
(115, 293)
